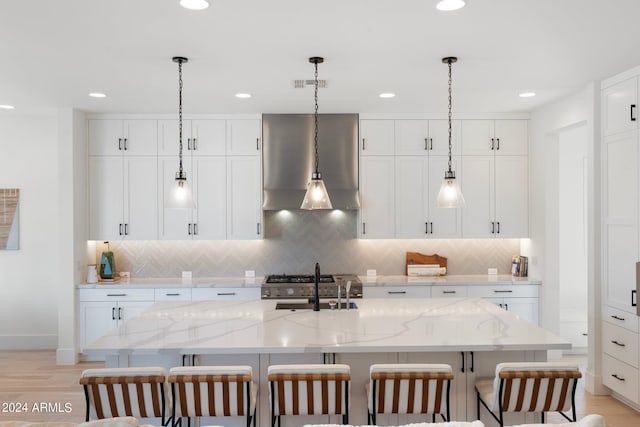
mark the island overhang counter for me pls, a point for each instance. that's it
(470, 334)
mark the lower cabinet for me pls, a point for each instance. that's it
(396, 291)
(199, 294)
(103, 310)
(521, 300)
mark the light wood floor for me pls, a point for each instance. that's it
(32, 377)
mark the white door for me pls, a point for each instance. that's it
(525, 308)
(377, 191)
(208, 137)
(439, 137)
(244, 137)
(620, 107)
(478, 189)
(377, 137)
(511, 138)
(141, 198)
(106, 186)
(621, 219)
(411, 180)
(105, 137)
(169, 137)
(140, 137)
(210, 192)
(244, 198)
(512, 196)
(477, 137)
(443, 222)
(411, 137)
(174, 224)
(96, 319)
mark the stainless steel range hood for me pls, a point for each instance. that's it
(289, 158)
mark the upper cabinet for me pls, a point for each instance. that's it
(497, 137)
(199, 137)
(377, 137)
(620, 107)
(244, 137)
(112, 137)
(420, 137)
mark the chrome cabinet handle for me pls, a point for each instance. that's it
(617, 318)
(633, 112)
(619, 344)
(617, 377)
(226, 293)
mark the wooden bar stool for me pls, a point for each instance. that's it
(119, 392)
(529, 387)
(309, 390)
(215, 391)
(412, 388)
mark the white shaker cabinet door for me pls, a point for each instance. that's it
(478, 189)
(443, 222)
(208, 137)
(210, 192)
(411, 194)
(477, 137)
(105, 137)
(377, 191)
(106, 187)
(439, 137)
(511, 138)
(244, 198)
(411, 137)
(140, 137)
(620, 107)
(377, 137)
(511, 197)
(141, 198)
(169, 137)
(244, 137)
(174, 224)
(96, 319)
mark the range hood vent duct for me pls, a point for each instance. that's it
(289, 158)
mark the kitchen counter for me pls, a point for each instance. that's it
(470, 279)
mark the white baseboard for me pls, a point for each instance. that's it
(66, 356)
(28, 342)
(593, 384)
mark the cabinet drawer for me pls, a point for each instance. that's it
(620, 377)
(448, 291)
(620, 343)
(620, 318)
(503, 291)
(173, 294)
(199, 294)
(116, 295)
(396, 292)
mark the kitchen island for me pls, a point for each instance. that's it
(470, 334)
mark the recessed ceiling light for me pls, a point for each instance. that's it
(7, 107)
(449, 5)
(194, 4)
(527, 94)
(243, 95)
(387, 95)
(97, 95)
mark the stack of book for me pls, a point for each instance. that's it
(519, 266)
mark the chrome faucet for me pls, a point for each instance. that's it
(316, 293)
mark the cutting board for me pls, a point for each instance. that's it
(418, 258)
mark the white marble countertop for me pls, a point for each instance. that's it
(253, 282)
(377, 325)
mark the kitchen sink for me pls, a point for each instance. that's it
(309, 306)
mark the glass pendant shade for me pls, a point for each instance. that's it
(316, 196)
(450, 194)
(181, 196)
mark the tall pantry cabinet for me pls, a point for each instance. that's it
(620, 243)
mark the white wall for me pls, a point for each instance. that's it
(28, 276)
(543, 247)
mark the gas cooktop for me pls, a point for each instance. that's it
(301, 286)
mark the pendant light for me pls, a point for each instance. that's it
(180, 197)
(450, 195)
(316, 196)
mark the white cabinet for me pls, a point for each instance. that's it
(620, 200)
(419, 137)
(244, 198)
(498, 137)
(377, 137)
(172, 294)
(377, 192)
(207, 177)
(103, 310)
(243, 137)
(222, 293)
(397, 291)
(113, 137)
(204, 137)
(123, 197)
(449, 291)
(417, 181)
(521, 300)
(495, 189)
(619, 107)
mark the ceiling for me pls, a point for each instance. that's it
(55, 52)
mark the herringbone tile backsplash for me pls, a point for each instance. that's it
(295, 241)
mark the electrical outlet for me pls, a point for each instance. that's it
(249, 273)
(492, 271)
(186, 275)
(371, 272)
(125, 275)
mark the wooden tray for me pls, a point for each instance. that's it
(418, 258)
